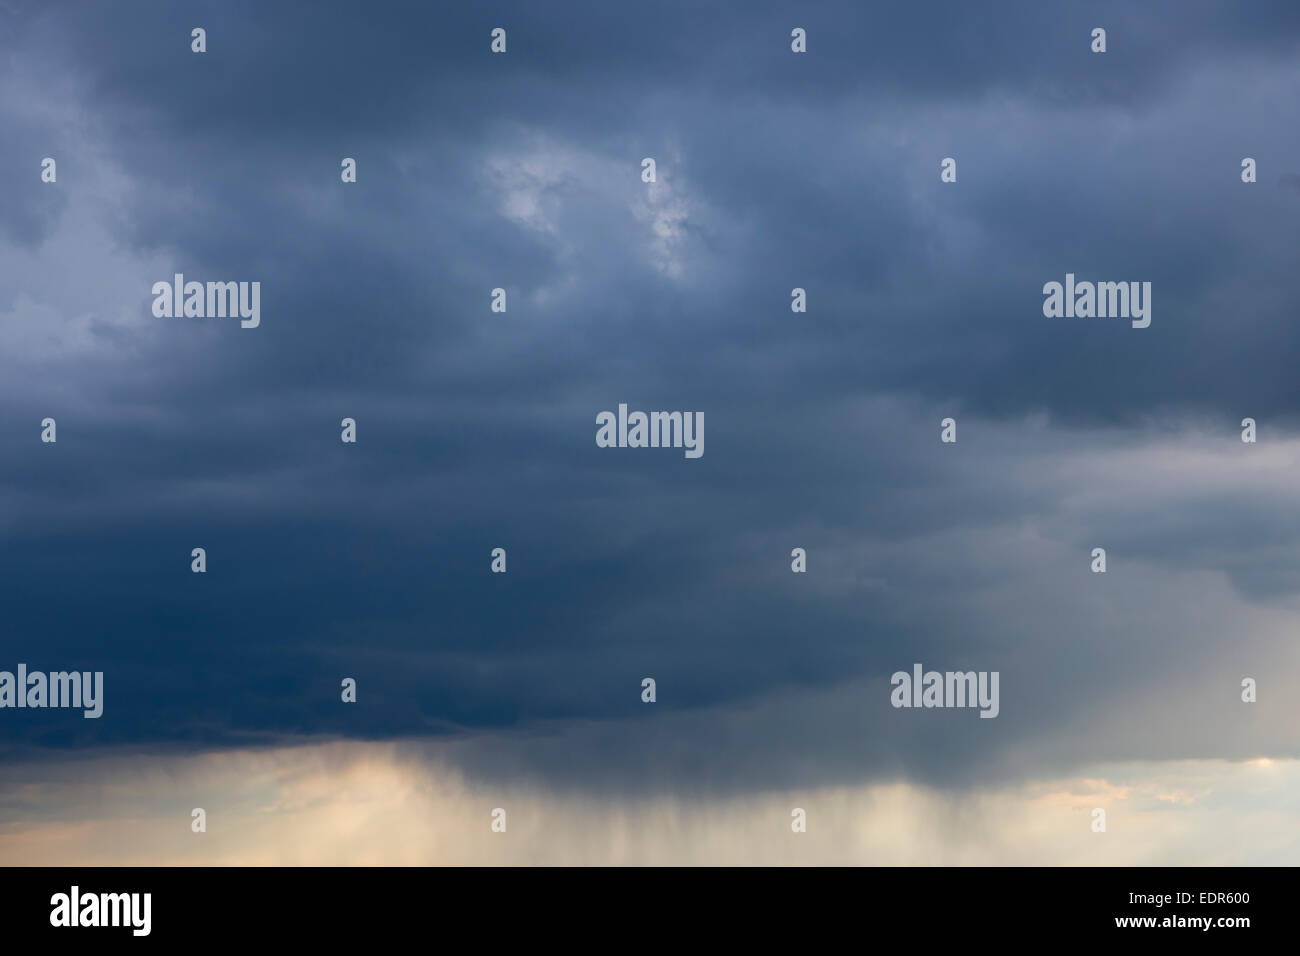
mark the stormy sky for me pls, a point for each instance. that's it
(476, 429)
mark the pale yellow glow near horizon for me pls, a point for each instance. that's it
(390, 804)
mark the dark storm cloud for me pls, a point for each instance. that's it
(476, 430)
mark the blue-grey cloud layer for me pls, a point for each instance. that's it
(477, 429)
